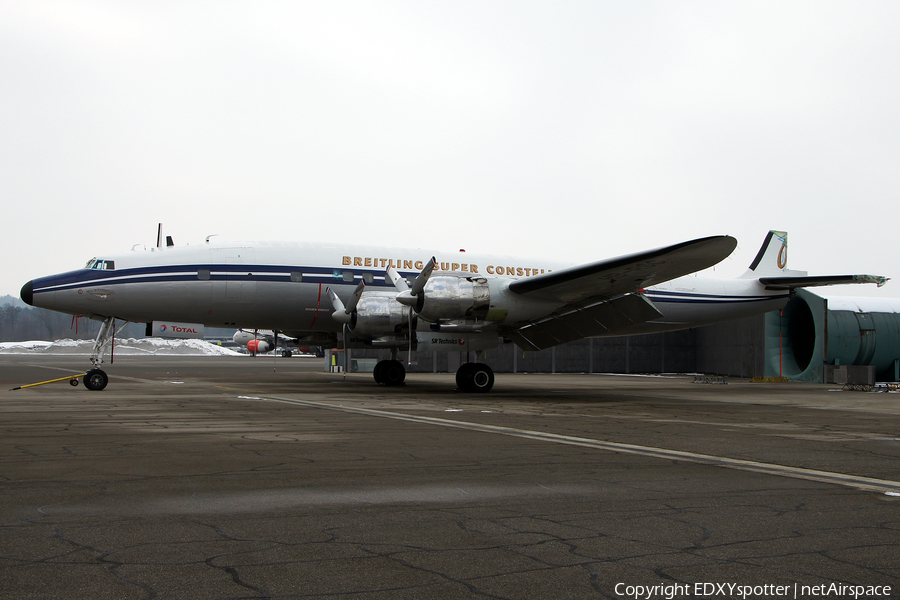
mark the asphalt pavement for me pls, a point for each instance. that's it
(238, 477)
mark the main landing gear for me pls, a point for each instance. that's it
(470, 378)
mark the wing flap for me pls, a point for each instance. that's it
(597, 319)
(608, 279)
(789, 283)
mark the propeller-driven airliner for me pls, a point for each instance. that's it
(353, 296)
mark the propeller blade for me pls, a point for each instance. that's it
(335, 301)
(397, 280)
(357, 294)
(419, 284)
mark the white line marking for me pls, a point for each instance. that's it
(853, 481)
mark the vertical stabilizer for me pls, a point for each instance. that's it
(772, 256)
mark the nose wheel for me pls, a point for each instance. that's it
(95, 379)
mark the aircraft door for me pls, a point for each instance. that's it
(232, 275)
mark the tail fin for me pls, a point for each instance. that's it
(772, 256)
(770, 267)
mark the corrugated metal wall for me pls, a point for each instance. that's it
(733, 348)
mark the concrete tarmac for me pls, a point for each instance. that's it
(218, 477)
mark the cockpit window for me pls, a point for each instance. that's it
(99, 264)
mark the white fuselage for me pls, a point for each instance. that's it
(282, 286)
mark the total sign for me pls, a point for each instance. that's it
(168, 329)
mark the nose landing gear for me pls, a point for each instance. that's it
(96, 379)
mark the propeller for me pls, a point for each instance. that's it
(412, 296)
(346, 315)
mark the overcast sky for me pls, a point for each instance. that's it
(571, 130)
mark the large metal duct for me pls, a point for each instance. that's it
(812, 332)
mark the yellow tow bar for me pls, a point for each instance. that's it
(72, 379)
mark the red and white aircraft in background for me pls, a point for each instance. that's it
(260, 341)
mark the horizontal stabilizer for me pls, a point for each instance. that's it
(597, 319)
(789, 283)
(611, 278)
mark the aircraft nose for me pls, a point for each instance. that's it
(27, 293)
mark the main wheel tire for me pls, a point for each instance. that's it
(482, 378)
(95, 380)
(463, 376)
(378, 372)
(475, 377)
(393, 372)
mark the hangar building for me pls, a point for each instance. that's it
(807, 340)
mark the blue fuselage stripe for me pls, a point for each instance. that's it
(316, 275)
(181, 273)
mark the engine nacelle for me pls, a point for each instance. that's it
(454, 298)
(379, 314)
(258, 346)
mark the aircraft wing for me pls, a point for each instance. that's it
(789, 283)
(574, 324)
(604, 296)
(607, 279)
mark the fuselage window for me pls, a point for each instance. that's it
(203, 274)
(348, 276)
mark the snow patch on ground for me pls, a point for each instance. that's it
(125, 347)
